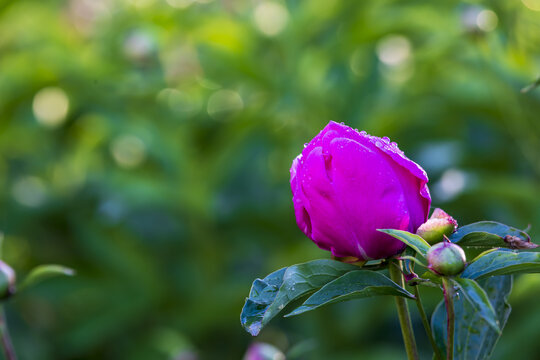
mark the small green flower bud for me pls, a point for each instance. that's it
(440, 224)
(7, 280)
(446, 258)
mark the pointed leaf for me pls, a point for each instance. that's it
(270, 295)
(429, 275)
(530, 87)
(408, 264)
(478, 300)
(489, 234)
(353, 285)
(263, 292)
(503, 262)
(414, 241)
(474, 338)
(410, 260)
(43, 272)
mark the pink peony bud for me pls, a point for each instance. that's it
(263, 351)
(446, 258)
(347, 184)
(440, 224)
(7, 280)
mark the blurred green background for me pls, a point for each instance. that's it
(147, 144)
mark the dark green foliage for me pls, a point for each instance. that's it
(487, 234)
(475, 298)
(412, 240)
(353, 285)
(475, 331)
(165, 250)
(43, 272)
(502, 262)
(270, 295)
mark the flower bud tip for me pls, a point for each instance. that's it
(439, 225)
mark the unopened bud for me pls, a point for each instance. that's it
(7, 280)
(263, 351)
(440, 224)
(446, 258)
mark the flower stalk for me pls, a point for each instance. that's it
(425, 322)
(449, 302)
(7, 346)
(396, 275)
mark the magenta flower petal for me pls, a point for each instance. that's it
(347, 184)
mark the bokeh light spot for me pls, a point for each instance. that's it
(128, 151)
(393, 50)
(180, 4)
(451, 184)
(50, 106)
(180, 64)
(532, 4)
(271, 17)
(84, 14)
(487, 20)
(139, 45)
(224, 102)
(29, 191)
(142, 3)
(179, 101)
(359, 62)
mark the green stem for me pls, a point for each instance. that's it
(449, 302)
(403, 312)
(425, 322)
(7, 346)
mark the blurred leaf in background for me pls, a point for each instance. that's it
(147, 143)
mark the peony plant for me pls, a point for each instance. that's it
(359, 197)
(10, 287)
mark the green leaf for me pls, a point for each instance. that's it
(489, 234)
(530, 87)
(408, 264)
(428, 275)
(43, 272)
(353, 285)
(478, 300)
(474, 338)
(503, 262)
(410, 260)
(270, 295)
(414, 241)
